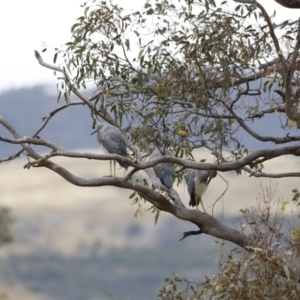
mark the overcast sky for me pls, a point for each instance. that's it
(25, 25)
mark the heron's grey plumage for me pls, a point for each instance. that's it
(197, 182)
(164, 171)
(112, 141)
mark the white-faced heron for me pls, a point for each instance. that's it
(113, 142)
(163, 171)
(197, 182)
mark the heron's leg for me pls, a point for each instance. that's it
(110, 162)
(115, 168)
(197, 204)
(200, 200)
(160, 191)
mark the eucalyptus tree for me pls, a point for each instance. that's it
(180, 75)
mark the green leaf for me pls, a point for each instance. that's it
(156, 216)
(150, 11)
(132, 195)
(127, 44)
(55, 57)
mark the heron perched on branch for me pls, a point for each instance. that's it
(197, 182)
(113, 142)
(164, 171)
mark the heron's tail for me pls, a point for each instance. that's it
(194, 201)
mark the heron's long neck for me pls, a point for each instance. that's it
(200, 188)
(99, 138)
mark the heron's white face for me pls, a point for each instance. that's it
(100, 127)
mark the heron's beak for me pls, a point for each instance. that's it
(94, 131)
(209, 179)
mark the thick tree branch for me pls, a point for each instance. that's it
(273, 36)
(291, 111)
(265, 154)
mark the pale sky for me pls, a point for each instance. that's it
(27, 24)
